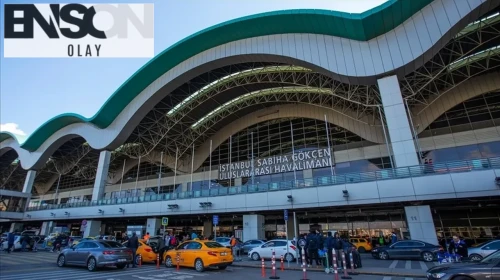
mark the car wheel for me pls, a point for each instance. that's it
(137, 259)
(198, 265)
(383, 255)
(92, 264)
(61, 261)
(462, 278)
(222, 267)
(255, 256)
(289, 257)
(121, 266)
(475, 257)
(362, 249)
(168, 262)
(428, 256)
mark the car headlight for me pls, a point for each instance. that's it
(438, 275)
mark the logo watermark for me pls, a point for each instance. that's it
(79, 30)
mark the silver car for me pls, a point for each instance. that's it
(96, 253)
(250, 244)
(480, 251)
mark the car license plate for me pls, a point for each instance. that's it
(122, 260)
(223, 254)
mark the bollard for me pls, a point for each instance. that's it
(263, 268)
(351, 259)
(282, 264)
(140, 260)
(178, 262)
(345, 276)
(273, 262)
(335, 269)
(157, 261)
(304, 265)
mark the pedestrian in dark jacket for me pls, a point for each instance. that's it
(329, 246)
(133, 244)
(312, 248)
(458, 247)
(10, 241)
(320, 241)
(161, 247)
(57, 243)
(338, 245)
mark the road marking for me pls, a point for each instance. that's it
(423, 266)
(408, 265)
(408, 278)
(393, 264)
(76, 274)
(387, 278)
(436, 263)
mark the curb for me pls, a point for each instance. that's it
(361, 272)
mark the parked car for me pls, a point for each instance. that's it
(284, 248)
(199, 254)
(480, 251)
(248, 245)
(407, 249)
(486, 269)
(362, 245)
(95, 254)
(226, 241)
(17, 243)
(144, 252)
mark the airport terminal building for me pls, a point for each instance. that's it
(359, 123)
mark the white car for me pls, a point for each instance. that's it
(281, 247)
(17, 244)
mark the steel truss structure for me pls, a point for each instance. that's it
(168, 127)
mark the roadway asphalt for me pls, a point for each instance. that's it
(42, 266)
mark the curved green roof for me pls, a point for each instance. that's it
(362, 27)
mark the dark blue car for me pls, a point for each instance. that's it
(407, 249)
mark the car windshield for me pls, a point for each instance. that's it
(112, 244)
(479, 245)
(492, 258)
(213, 245)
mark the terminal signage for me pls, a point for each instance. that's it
(277, 164)
(215, 220)
(285, 214)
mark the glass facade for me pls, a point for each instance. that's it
(479, 112)
(476, 225)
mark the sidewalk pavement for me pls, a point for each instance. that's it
(396, 272)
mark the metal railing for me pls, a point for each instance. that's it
(349, 178)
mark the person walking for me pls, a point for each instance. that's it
(338, 245)
(161, 247)
(312, 248)
(233, 242)
(394, 237)
(329, 245)
(458, 247)
(133, 244)
(10, 241)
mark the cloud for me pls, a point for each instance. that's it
(12, 128)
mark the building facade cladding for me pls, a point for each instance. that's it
(467, 131)
(366, 60)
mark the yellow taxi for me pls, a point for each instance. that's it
(145, 251)
(361, 244)
(199, 254)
